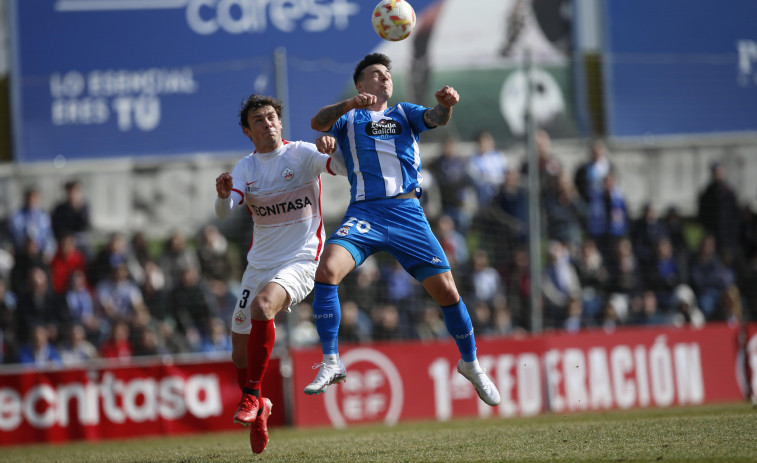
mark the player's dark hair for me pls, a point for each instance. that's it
(373, 58)
(255, 102)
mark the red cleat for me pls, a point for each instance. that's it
(247, 411)
(259, 429)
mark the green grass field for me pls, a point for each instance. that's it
(723, 433)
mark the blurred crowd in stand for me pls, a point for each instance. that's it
(64, 301)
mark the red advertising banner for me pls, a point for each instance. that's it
(556, 372)
(124, 400)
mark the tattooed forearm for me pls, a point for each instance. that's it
(325, 118)
(438, 115)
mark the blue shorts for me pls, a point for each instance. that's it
(397, 226)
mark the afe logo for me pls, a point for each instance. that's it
(373, 390)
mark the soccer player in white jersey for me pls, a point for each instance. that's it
(280, 184)
(379, 146)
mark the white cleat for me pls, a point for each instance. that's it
(327, 375)
(486, 389)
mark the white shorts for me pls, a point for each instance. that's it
(295, 277)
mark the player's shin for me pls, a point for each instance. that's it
(327, 316)
(459, 325)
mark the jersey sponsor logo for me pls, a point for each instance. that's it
(283, 207)
(384, 129)
(435, 260)
(287, 174)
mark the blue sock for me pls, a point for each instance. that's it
(460, 327)
(327, 314)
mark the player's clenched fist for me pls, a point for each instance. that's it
(447, 96)
(326, 144)
(363, 100)
(224, 184)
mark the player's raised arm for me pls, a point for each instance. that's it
(328, 115)
(440, 114)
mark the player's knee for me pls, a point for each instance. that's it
(327, 274)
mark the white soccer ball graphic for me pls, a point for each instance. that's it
(393, 19)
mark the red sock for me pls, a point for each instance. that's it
(259, 347)
(242, 377)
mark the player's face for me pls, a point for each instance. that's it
(265, 129)
(376, 80)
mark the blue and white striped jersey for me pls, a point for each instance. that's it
(380, 150)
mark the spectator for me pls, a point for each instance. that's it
(550, 167)
(117, 296)
(574, 320)
(76, 349)
(304, 333)
(146, 342)
(400, 288)
(386, 323)
(481, 317)
(674, 228)
(730, 306)
(7, 323)
(154, 293)
(176, 257)
(38, 304)
(30, 221)
(430, 325)
(593, 277)
(709, 275)
(646, 232)
(645, 310)
(589, 177)
(39, 351)
(487, 168)
(118, 346)
(67, 260)
(662, 276)
(565, 209)
(685, 310)
(27, 258)
(624, 271)
(719, 210)
(616, 214)
(510, 209)
(362, 285)
(139, 250)
(82, 309)
(517, 282)
(452, 241)
(560, 285)
(112, 254)
(355, 326)
(213, 255)
(483, 282)
(189, 306)
(449, 171)
(217, 341)
(71, 216)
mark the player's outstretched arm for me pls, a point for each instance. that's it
(325, 118)
(440, 114)
(224, 204)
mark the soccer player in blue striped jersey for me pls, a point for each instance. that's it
(380, 148)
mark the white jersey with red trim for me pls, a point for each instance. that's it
(282, 191)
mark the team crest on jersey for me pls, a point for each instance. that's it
(343, 231)
(383, 129)
(287, 174)
(239, 318)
